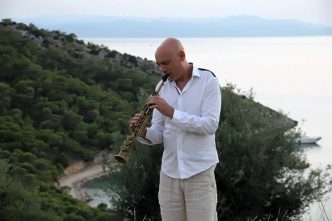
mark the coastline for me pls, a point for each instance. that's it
(78, 173)
(76, 180)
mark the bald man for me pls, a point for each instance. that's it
(185, 119)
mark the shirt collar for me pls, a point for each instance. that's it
(195, 72)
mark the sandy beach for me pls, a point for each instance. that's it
(76, 180)
(79, 172)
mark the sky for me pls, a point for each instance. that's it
(312, 11)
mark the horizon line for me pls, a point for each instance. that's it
(170, 18)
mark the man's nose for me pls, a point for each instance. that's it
(162, 68)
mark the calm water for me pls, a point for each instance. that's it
(288, 74)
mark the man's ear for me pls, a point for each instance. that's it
(182, 55)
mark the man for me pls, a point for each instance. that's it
(185, 119)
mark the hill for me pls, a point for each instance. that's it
(61, 100)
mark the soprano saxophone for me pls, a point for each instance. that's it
(139, 128)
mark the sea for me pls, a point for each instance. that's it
(288, 74)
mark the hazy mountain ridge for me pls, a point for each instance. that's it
(231, 26)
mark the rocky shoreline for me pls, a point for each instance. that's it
(75, 181)
(77, 174)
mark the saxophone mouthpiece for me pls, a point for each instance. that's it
(165, 77)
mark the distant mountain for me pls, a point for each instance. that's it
(232, 26)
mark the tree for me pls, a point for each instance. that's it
(262, 169)
(142, 200)
(6, 93)
(17, 202)
(73, 217)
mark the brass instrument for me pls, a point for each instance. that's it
(139, 128)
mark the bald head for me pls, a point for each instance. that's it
(171, 59)
(170, 45)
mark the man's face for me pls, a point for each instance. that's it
(169, 63)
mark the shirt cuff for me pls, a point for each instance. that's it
(143, 140)
(177, 115)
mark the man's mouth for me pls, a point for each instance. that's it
(169, 75)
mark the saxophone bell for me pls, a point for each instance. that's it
(122, 157)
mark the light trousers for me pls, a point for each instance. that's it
(191, 199)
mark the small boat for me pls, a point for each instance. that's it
(307, 140)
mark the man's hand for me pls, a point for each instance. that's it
(135, 119)
(161, 105)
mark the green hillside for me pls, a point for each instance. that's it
(61, 100)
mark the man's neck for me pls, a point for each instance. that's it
(181, 83)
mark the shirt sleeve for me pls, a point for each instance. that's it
(208, 122)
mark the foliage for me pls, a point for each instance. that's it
(61, 100)
(54, 103)
(136, 184)
(263, 173)
(17, 202)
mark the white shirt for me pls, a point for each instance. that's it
(189, 137)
